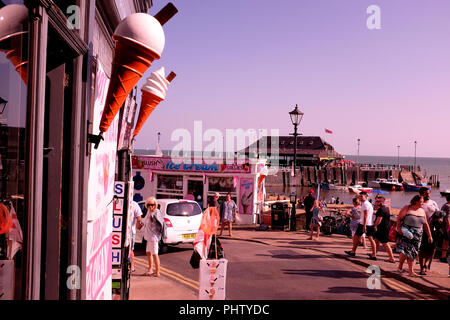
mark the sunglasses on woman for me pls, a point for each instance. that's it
(151, 205)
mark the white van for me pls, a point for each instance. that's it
(182, 219)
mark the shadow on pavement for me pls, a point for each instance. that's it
(337, 274)
(367, 292)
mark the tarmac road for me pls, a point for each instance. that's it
(265, 272)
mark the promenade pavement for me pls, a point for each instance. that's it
(436, 283)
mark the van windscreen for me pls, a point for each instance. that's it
(183, 209)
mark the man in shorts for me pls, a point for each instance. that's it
(381, 228)
(365, 226)
(136, 213)
(446, 209)
(429, 206)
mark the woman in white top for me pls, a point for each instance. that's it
(153, 232)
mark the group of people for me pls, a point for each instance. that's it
(420, 228)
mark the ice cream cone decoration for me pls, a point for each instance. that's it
(14, 37)
(153, 92)
(139, 40)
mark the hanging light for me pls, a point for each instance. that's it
(296, 116)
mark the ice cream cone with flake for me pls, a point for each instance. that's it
(139, 40)
(153, 92)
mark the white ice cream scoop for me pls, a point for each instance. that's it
(157, 84)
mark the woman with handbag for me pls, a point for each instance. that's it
(154, 229)
(411, 222)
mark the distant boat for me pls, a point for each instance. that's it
(414, 187)
(376, 183)
(330, 186)
(445, 193)
(358, 188)
(391, 184)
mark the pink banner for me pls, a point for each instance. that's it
(166, 164)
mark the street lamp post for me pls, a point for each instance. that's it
(358, 166)
(296, 116)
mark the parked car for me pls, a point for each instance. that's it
(182, 219)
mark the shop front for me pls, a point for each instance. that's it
(199, 180)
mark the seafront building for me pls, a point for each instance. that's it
(55, 65)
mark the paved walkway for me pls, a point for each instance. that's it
(436, 283)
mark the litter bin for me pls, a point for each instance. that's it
(280, 215)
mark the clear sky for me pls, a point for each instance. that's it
(246, 63)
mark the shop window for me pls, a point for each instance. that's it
(221, 184)
(13, 99)
(170, 184)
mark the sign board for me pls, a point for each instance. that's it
(117, 223)
(100, 193)
(212, 279)
(116, 257)
(194, 165)
(116, 240)
(116, 274)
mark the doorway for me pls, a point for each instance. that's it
(195, 191)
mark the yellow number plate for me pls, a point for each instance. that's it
(189, 236)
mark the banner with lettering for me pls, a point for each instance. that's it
(168, 164)
(100, 204)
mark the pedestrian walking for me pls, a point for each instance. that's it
(316, 219)
(215, 202)
(309, 203)
(365, 226)
(445, 244)
(429, 206)
(381, 228)
(410, 224)
(227, 213)
(427, 249)
(355, 216)
(154, 231)
(137, 222)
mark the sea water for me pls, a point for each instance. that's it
(428, 166)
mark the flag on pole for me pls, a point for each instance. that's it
(328, 131)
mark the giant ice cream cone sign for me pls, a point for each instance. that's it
(153, 92)
(139, 40)
(14, 37)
